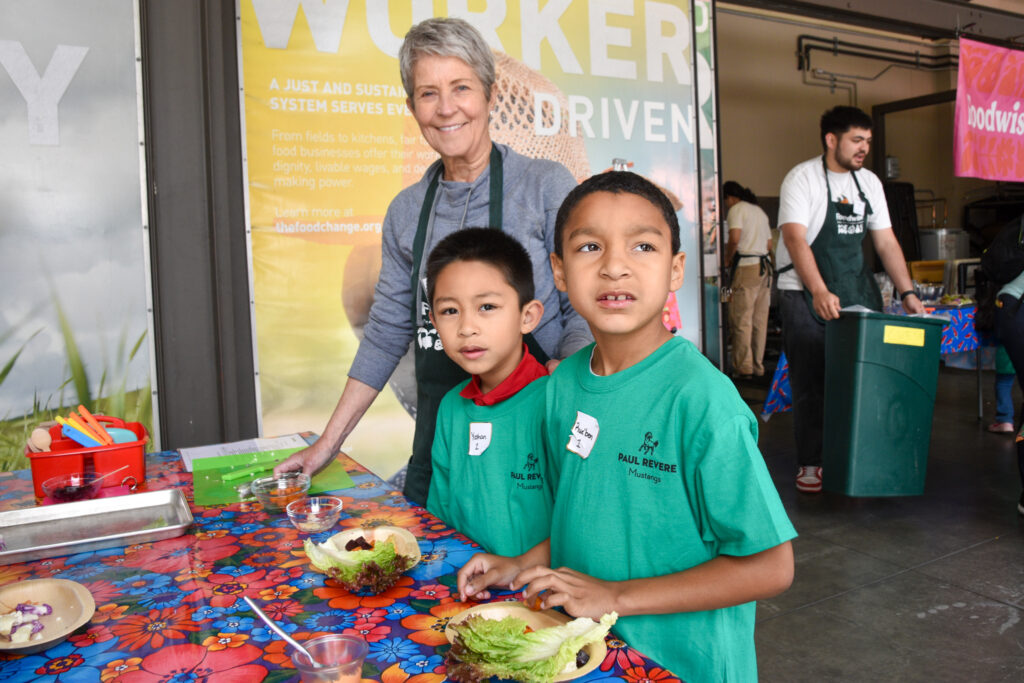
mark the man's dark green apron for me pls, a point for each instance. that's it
(839, 255)
(436, 373)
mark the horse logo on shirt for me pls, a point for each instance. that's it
(531, 462)
(649, 444)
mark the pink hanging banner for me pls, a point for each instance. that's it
(988, 137)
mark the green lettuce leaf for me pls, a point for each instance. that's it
(500, 647)
(377, 569)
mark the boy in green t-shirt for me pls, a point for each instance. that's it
(664, 511)
(489, 475)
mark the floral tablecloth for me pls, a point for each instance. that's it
(173, 610)
(957, 336)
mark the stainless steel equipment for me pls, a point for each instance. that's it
(944, 244)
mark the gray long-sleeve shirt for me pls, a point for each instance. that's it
(533, 191)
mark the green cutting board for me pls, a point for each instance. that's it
(210, 488)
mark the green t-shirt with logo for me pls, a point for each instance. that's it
(490, 480)
(656, 470)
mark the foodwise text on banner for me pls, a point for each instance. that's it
(989, 122)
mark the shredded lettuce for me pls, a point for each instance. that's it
(501, 647)
(375, 570)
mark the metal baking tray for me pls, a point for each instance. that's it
(69, 528)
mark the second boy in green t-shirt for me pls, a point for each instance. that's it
(490, 480)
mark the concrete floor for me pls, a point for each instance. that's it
(924, 588)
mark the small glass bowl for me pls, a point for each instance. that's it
(65, 488)
(276, 492)
(314, 514)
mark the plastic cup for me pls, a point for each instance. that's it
(340, 656)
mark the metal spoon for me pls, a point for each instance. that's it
(279, 631)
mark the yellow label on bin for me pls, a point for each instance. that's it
(907, 336)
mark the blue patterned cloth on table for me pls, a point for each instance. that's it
(780, 398)
(172, 609)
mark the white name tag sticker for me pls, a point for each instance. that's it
(583, 435)
(479, 437)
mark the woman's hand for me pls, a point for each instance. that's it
(578, 594)
(309, 460)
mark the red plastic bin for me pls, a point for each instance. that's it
(68, 457)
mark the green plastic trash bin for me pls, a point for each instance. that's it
(880, 377)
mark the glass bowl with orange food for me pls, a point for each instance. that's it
(276, 492)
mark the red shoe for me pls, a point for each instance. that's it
(1001, 427)
(808, 479)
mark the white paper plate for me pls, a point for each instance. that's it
(72, 604)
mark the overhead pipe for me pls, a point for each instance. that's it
(834, 46)
(830, 81)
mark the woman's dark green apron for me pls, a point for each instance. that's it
(436, 373)
(839, 255)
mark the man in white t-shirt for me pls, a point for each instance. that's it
(823, 218)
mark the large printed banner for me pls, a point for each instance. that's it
(74, 280)
(989, 129)
(329, 143)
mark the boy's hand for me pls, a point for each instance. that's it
(484, 570)
(578, 594)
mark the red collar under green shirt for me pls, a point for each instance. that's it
(529, 369)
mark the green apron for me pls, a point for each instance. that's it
(436, 373)
(839, 255)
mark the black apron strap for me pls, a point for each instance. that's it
(497, 190)
(420, 239)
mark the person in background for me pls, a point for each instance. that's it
(448, 73)
(826, 207)
(1010, 333)
(1004, 393)
(489, 479)
(748, 255)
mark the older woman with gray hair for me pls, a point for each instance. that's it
(448, 73)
